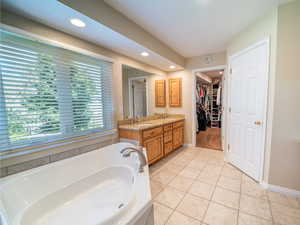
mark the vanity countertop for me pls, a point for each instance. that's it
(144, 125)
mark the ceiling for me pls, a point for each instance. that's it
(133, 72)
(214, 74)
(57, 15)
(194, 27)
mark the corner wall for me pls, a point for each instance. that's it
(187, 88)
(265, 27)
(285, 148)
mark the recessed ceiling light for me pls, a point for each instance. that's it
(145, 54)
(221, 72)
(172, 67)
(77, 22)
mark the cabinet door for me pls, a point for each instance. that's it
(160, 93)
(177, 137)
(168, 147)
(154, 147)
(175, 92)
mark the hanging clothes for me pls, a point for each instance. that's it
(219, 95)
(202, 120)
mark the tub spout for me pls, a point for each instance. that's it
(126, 152)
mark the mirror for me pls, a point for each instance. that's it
(135, 92)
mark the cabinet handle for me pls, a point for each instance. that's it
(258, 123)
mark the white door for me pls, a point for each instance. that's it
(247, 101)
(139, 98)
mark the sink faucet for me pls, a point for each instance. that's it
(126, 152)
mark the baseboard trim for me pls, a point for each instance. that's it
(187, 145)
(280, 189)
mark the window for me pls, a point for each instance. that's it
(49, 93)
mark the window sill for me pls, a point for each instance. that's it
(24, 154)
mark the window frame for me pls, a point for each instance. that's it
(27, 144)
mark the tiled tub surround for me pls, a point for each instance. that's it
(101, 187)
(194, 186)
(53, 156)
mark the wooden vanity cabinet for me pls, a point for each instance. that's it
(158, 141)
(177, 137)
(178, 134)
(154, 147)
(160, 93)
(175, 95)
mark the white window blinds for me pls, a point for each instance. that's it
(49, 93)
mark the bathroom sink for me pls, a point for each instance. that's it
(95, 200)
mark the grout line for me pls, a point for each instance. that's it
(269, 202)
(240, 197)
(205, 213)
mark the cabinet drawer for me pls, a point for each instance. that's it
(167, 127)
(168, 136)
(178, 124)
(152, 132)
(168, 148)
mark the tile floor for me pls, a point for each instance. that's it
(194, 186)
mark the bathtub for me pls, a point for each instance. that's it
(96, 188)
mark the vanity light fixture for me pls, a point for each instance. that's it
(77, 22)
(221, 72)
(144, 54)
(172, 67)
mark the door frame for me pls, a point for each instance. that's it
(267, 113)
(194, 72)
(130, 93)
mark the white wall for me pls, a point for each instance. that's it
(193, 63)
(285, 148)
(265, 27)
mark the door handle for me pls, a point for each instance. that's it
(258, 123)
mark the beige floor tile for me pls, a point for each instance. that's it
(194, 150)
(180, 160)
(156, 187)
(189, 155)
(197, 164)
(154, 168)
(181, 183)
(212, 169)
(294, 202)
(220, 215)
(216, 161)
(190, 173)
(230, 184)
(254, 189)
(245, 219)
(232, 173)
(208, 178)
(247, 179)
(226, 197)
(284, 215)
(161, 214)
(193, 206)
(174, 168)
(278, 198)
(286, 220)
(169, 197)
(202, 190)
(255, 206)
(179, 219)
(164, 176)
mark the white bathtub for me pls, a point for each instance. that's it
(96, 188)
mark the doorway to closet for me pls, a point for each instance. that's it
(208, 92)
